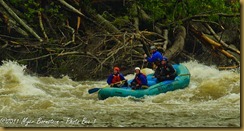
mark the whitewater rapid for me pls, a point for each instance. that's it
(211, 100)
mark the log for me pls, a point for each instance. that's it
(41, 25)
(157, 29)
(228, 67)
(178, 44)
(73, 9)
(20, 21)
(73, 35)
(199, 16)
(143, 14)
(106, 24)
(221, 41)
(11, 24)
(166, 40)
(215, 45)
(54, 33)
(134, 14)
(100, 21)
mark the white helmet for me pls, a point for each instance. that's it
(153, 47)
(137, 68)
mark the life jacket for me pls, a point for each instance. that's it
(166, 69)
(138, 81)
(116, 78)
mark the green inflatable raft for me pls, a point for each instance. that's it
(181, 81)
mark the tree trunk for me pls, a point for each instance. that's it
(177, 47)
(221, 41)
(166, 41)
(106, 24)
(143, 14)
(12, 24)
(134, 13)
(212, 44)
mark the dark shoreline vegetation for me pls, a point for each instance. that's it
(85, 39)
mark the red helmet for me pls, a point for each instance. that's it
(116, 68)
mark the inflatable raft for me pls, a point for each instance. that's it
(181, 81)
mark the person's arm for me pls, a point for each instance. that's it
(172, 70)
(109, 80)
(161, 75)
(122, 76)
(155, 56)
(156, 73)
(161, 78)
(152, 58)
(133, 83)
(143, 80)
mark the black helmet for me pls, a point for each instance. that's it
(165, 59)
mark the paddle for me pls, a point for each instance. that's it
(93, 90)
(184, 75)
(142, 64)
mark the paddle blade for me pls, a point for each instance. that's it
(93, 90)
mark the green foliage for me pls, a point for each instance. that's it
(207, 6)
(87, 2)
(176, 10)
(132, 10)
(30, 8)
(121, 21)
(155, 8)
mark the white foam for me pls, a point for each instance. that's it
(12, 71)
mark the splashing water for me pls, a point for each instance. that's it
(211, 100)
(13, 79)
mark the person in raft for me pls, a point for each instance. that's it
(155, 58)
(140, 80)
(117, 79)
(165, 71)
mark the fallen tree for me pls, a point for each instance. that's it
(85, 41)
(20, 21)
(214, 45)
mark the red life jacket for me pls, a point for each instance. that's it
(116, 78)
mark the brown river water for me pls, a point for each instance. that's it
(211, 100)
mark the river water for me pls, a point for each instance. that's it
(211, 100)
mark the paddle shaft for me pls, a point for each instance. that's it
(184, 74)
(142, 64)
(119, 82)
(93, 90)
